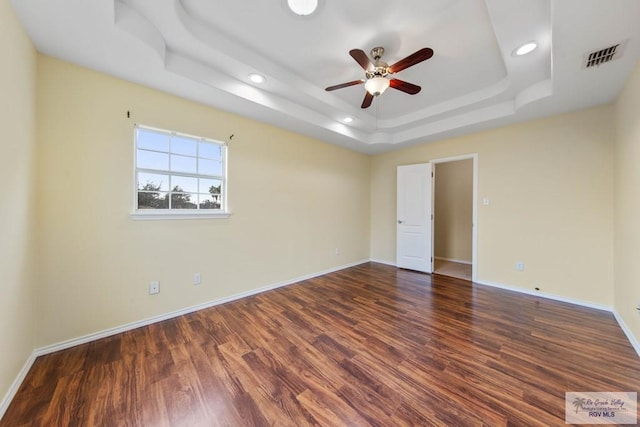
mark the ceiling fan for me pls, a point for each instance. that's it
(377, 74)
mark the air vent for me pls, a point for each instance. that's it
(602, 56)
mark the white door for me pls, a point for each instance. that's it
(414, 219)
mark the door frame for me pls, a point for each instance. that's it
(474, 219)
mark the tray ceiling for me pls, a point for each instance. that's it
(205, 51)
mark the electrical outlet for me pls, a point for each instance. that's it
(197, 279)
(154, 287)
(337, 251)
(520, 266)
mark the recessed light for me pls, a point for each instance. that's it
(303, 7)
(257, 78)
(347, 119)
(525, 48)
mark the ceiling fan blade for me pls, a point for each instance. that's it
(340, 86)
(405, 87)
(361, 58)
(413, 59)
(366, 102)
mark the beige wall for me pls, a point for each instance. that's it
(627, 204)
(17, 172)
(550, 188)
(453, 207)
(294, 200)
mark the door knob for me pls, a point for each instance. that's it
(400, 222)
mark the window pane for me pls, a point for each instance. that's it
(183, 146)
(152, 160)
(178, 172)
(153, 140)
(153, 182)
(184, 183)
(209, 167)
(183, 201)
(207, 201)
(209, 150)
(212, 186)
(183, 164)
(152, 200)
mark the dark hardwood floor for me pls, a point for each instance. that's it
(370, 345)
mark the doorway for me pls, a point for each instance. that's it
(454, 217)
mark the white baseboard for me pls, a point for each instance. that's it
(547, 296)
(392, 264)
(627, 331)
(459, 261)
(6, 400)
(8, 397)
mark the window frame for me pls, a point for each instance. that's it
(145, 214)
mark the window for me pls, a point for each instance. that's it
(179, 175)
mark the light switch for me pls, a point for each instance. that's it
(485, 201)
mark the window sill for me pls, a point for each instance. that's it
(141, 215)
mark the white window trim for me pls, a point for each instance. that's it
(179, 214)
(188, 214)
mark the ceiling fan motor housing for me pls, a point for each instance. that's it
(380, 68)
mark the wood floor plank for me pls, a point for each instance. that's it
(371, 345)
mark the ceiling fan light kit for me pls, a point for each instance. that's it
(377, 74)
(377, 85)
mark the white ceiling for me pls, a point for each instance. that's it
(204, 50)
